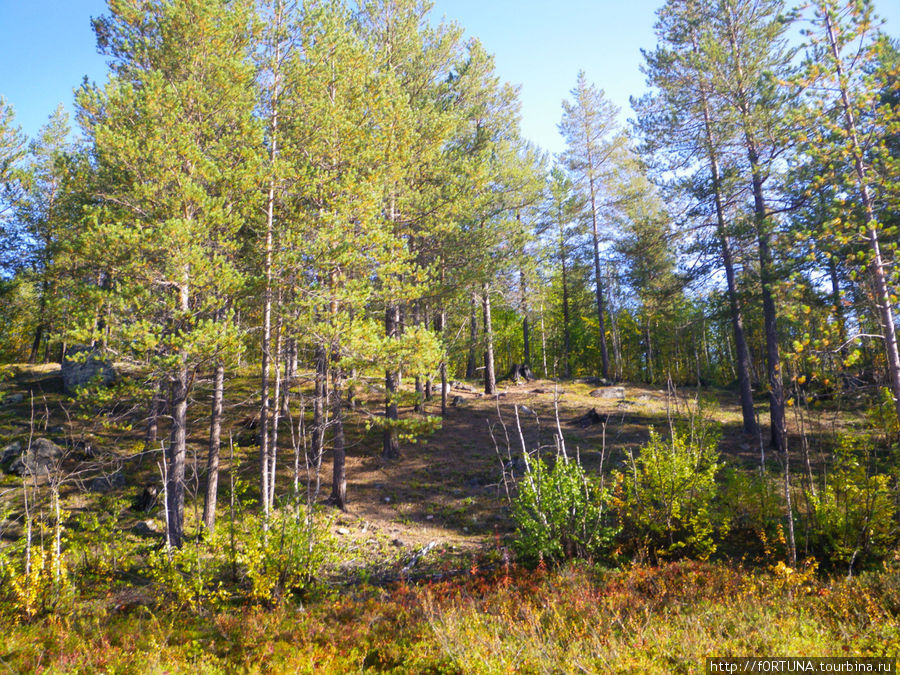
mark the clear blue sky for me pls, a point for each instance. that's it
(47, 47)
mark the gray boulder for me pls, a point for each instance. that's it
(82, 366)
(10, 452)
(146, 528)
(41, 457)
(609, 392)
(13, 399)
(107, 482)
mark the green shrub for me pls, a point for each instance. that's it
(855, 514)
(753, 504)
(289, 557)
(561, 513)
(669, 497)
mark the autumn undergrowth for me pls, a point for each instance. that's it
(574, 618)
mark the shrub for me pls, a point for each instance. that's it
(752, 503)
(855, 513)
(561, 513)
(668, 505)
(289, 557)
(33, 580)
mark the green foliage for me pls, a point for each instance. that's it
(34, 580)
(289, 557)
(97, 548)
(752, 503)
(669, 497)
(856, 511)
(882, 415)
(188, 578)
(263, 564)
(561, 513)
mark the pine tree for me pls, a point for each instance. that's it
(13, 146)
(43, 214)
(561, 209)
(593, 143)
(174, 135)
(849, 138)
(678, 122)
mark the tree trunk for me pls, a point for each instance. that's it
(439, 321)
(264, 452)
(567, 339)
(598, 280)
(157, 402)
(338, 476)
(391, 445)
(178, 440)
(212, 459)
(471, 364)
(543, 340)
(176, 457)
(290, 373)
(420, 387)
(773, 359)
(526, 329)
(649, 352)
(39, 331)
(490, 380)
(317, 444)
(429, 383)
(838, 303)
(613, 289)
(748, 414)
(276, 417)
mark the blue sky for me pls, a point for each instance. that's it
(47, 47)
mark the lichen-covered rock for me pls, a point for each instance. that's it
(40, 457)
(82, 366)
(107, 482)
(609, 392)
(10, 452)
(13, 399)
(146, 528)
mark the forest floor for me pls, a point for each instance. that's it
(459, 608)
(446, 491)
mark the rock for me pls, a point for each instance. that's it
(457, 401)
(462, 386)
(41, 457)
(108, 482)
(542, 390)
(398, 543)
(10, 452)
(146, 528)
(13, 399)
(609, 392)
(525, 410)
(387, 500)
(82, 366)
(429, 517)
(343, 530)
(596, 381)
